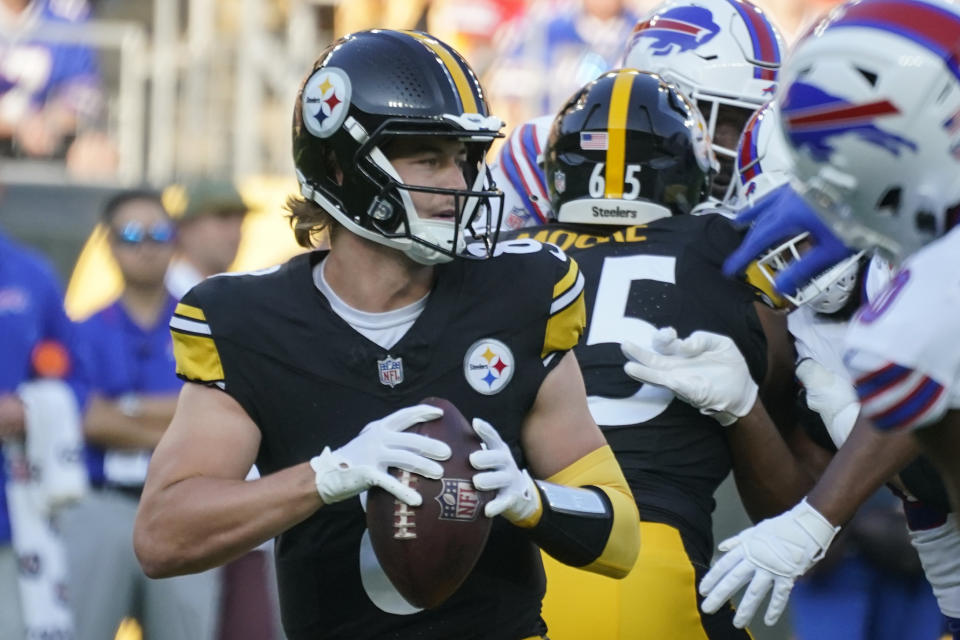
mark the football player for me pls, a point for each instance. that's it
(824, 306)
(313, 369)
(883, 178)
(517, 172)
(724, 55)
(627, 158)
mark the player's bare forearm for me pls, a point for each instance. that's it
(106, 426)
(196, 510)
(941, 443)
(778, 388)
(769, 478)
(202, 522)
(157, 409)
(866, 460)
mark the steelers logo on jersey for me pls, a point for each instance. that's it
(488, 366)
(326, 101)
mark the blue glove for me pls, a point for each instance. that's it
(777, 217)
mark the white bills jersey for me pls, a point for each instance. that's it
(902, 349)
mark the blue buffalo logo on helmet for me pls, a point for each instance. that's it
(458, 500)
(679, 29)
(813, 117)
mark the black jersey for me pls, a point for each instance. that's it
(485, 341)
(666, 273)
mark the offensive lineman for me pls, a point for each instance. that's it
(627, 158)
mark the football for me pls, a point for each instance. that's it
(428, 551)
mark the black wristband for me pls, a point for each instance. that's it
(575, 524)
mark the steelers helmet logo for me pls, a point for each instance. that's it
(488, 366)
(326, 101)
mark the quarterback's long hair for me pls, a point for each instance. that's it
(312, 225)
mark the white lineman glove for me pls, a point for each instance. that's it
(832, 396)
(770, 554)
(362, 463)
(706, 370)
(517, 496)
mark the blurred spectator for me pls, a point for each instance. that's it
(555, 49)
(870, 585)
(127, 354)
(49, 89)
(209, 215)
(38, 413)
(358, 15)
(471, 26)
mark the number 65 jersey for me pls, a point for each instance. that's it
(308, 380)
(638, 279)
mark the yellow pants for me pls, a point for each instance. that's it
(657, 600)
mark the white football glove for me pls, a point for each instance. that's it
(832, 396)
(517, 496)
(706, 370)
(769, 555)
(362, 463)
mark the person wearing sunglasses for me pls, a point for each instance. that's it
(127, 356)
(209, 215)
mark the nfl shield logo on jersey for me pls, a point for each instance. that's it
(391, 371)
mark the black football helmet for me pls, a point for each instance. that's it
(626, 149)
(366, 89)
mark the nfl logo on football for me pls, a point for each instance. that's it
(458, 500)
(391, 371)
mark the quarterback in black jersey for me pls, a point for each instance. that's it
(313, 370)
(626, 162)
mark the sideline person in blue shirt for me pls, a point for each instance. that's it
(35, 341)
(127, 353)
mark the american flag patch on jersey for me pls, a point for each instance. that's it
(593, 141)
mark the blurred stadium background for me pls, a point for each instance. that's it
(205, 87)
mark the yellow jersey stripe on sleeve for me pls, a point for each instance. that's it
(572, 293)
(197, 357)
(187, 311)
(567, 280)
(600, 469)
(568, 312)
(565, 327)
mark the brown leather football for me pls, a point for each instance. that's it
(428, 551)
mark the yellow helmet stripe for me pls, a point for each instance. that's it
(467, 100)
(617, 133)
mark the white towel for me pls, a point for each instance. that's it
(45, 473)
(54, 443)
(40, 553)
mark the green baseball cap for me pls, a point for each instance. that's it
(201, 197)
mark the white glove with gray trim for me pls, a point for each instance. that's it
(363, 462)
(705, 370)
(517, 496)
(769, 556)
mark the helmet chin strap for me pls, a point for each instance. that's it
(423, 254)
